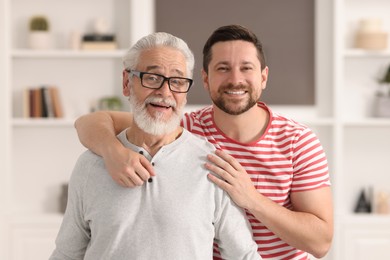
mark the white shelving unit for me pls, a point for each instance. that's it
(37, 155)
(362, 140)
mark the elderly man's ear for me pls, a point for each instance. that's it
(125, 84)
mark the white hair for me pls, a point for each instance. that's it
(131, 59)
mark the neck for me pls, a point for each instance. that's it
(245, 128)
(151, 143)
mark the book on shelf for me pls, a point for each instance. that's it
(36, 103)
(98, 37)
(47, 104)
(99, 42)
(42, 102)
(99, 45)
(56, 102)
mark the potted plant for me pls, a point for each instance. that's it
(383, 95)
(39, 37)
(110, 103)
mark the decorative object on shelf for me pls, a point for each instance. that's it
(40, 37)
(63, 197)
(100, 39)
(370, 35)
(101, 26)
(110, 103)
(382, 99)
(363, 204)
(382, 201)
(99, 42)
(75, 40)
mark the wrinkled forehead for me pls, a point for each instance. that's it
(163, 60)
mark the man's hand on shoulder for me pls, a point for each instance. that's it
(127, 168)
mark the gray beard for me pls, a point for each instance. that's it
(155, 125)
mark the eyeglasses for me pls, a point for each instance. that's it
(156, 81)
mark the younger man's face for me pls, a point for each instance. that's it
(235, 80)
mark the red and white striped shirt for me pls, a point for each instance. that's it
(287, 158)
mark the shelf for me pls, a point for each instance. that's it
(367, 122)
(360, 53)
(27, 53)
(367, 218)
(308, 115)
(317, 121)
(20, 122)
(29, 217)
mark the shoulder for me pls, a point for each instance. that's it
(87, 163)
(283, 131)
(197, 117)
(283, 125)
(280, 120)
(89, 159)
(196, 142)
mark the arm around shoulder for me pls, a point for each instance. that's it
(98, 130)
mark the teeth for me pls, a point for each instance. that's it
(160, 105)
(235, 92)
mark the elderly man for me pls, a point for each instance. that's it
(175, 215)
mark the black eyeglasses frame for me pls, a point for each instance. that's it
(140, 75)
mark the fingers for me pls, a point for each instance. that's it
(128, 168)
(132, 171)
(134, 179)
(143, 170)
(219, 171)
(137, 175)
(223, 161)
(220, 183)
(126, 182)
(224, 166)
(131, 180)
(146, 169)
(230, 160)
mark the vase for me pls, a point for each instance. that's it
(63, 197)
(40, 40)
(382, 106)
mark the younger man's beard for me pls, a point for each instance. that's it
(230, 107)
(155, 124)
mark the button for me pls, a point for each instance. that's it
(150, 180)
